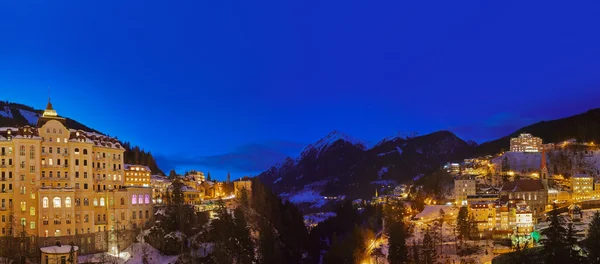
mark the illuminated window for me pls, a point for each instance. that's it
(32, 210)
(23, 206)
(32, 225)
(45, 202)
(134, 199)
(102, 202)
(56, 202)
(147, 199)
(95, 202)
(140, 199)
(68, 202)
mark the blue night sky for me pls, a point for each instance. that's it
(237, 86)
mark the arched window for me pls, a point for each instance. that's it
(56, 202)
(147, 199)
(45, 202)
(58, 139)
(140, 199)
(95, 201)
(122, 201)
(76, 150)
(102, 202)
(134, 199)
(84, 151)
(68, 202)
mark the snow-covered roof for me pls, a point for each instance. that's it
(128, 166)
(58, 249)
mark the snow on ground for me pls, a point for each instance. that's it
(432, 212)
(134, 254)
(385, 182)
(311, 194)
(31, 117)
(276, 181)
(6, 112)
(313, 219)
(399, 150)
(416, 178)
(382, 171)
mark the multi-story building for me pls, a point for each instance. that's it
(523, 219)
(159, 186)
(530, 190)
(582, 186)
(526, 143)
(243, 183)
(137, 175)
(66, 185)
(463, 187)
(483, 214)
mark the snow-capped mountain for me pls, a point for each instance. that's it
(341, 165)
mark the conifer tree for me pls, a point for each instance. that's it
(244, 197)
(416, 253)
(428, 251)
(593, 239)
(462, 223)
(244, 249)
(556, 248)
(397, 252)
(208, 176)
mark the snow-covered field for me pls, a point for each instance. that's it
(134, 254)
(31, 117)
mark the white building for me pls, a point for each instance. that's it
(526, 143)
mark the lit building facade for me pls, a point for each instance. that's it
(582, 186)
(531, 191)
(65, 185)
(159, 186)
(137, 175)
(526, 143)
(463, 187)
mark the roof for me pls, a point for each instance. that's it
(523, 185)
(58, 249)
(128, 167)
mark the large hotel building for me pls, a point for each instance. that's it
(66, 185)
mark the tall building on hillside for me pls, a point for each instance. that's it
(463, 187)
(525, 143)
(66, 185)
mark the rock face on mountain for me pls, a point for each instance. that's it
(339, 165)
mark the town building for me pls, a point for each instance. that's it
(531, 191)
(63, 185)
(159, 185)
(463, 187)
(526, 143)
(240, 184)
(582, 186)
(483, 213)
(523, 219)
(59, 254)
(137, 175)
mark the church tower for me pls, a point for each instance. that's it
(544, 170)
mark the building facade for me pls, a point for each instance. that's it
(582, 186)
(463, 187)
(530, 190)
(526, 143)
(63, 185)
(137, 175)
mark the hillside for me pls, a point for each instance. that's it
(339, 165)
(583, 127)
(15, 115)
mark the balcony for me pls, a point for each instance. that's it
(101, 222)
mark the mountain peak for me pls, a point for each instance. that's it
(331, 138)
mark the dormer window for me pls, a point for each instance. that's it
(8, 132)
(77, 134)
